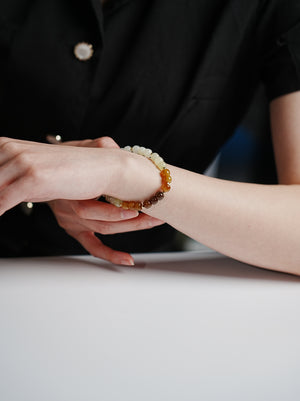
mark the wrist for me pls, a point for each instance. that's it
(143, 181)
(111, 171)
(133, 177)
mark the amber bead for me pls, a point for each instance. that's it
(139, 206)
(165, 172)
(165, 187)
(147, 204)
(125, 205)
(153, 200)
(166, 175)
(131, 205)
(160, 195)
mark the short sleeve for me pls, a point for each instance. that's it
(281, 50)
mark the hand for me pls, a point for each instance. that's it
(81, 219)
(31, 171)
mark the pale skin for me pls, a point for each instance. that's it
(256, 224)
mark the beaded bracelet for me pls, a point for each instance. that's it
(165, 181)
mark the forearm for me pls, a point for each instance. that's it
(256, 224)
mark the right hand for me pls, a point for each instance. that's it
(82, 219)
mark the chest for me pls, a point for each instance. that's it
(163, 69)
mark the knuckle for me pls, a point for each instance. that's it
(9, 146)
(62, 224)
(85, 238)
(23, 161)
(85, 143)
(3, 140)
(79, 209)
(104, 229)
(70, 231)
(32, 174)
(96, 250)
(104, 141)
(99, 142)
(95, 253)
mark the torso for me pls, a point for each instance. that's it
(174, 76)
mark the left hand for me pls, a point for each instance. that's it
(32, 171)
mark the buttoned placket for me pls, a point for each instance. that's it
(97, 7)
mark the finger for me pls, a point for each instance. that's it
(4, 140)
(83, 231)
(11, 148)
(142, 222)
(96, 248)
(105, 142)
(96, 210)
(83, 143)
(102, 142)
(56, 140)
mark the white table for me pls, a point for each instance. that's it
(179, 327)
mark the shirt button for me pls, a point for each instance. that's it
(27, 208)
(54, 139)
(83, 51)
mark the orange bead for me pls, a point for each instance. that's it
(131, 205)
(139, 206)
(166, 179)
(125, 205)
(166, 175)
(165, 172)
(165, 187)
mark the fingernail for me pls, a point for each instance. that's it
(127, 262)
(129, 214)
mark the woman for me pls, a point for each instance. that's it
(173, 76)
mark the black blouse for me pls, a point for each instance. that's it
(173, 75)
